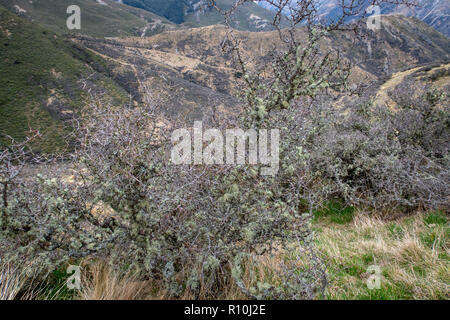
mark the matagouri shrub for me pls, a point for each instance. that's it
(190, 226)
(386, 158)
(193, 227)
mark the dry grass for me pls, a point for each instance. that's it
(16, 281)
(11, 282)
(412, 252)
(413, 257)
(102, 283)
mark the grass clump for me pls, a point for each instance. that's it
(335, 211)
(412, 257)
(435, 217)
(55, 286)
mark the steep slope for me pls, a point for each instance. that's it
(185, 87)
(192, 75)
(40, 81)
(196, 13)
(99, 18)
(435, 13)
(400, 44)
(173, 10)
(185, 69)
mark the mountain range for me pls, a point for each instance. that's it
(113, 18)
(48, 71)
(100, 18)
(435, 13)
(197, 13)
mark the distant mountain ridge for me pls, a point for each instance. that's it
(435, 13)
(41, 62)
(194, 77)
(99, 18)
(199, 13)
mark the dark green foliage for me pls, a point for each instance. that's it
(54, 287)
(97, 20)
(39, 86)
(435, 217)
(173, 10)
(336, 211)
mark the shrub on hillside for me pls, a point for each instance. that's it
(382, 158)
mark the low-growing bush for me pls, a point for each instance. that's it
(194, 227)
(381, 158)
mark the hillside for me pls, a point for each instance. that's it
(39, 86)
(185, 68)
(99, 18)
(435, 13)
(198, 13)
(400, 44)
(192, 75)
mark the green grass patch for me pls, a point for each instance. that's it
(387, 292)
(39, 82)
(335, 211)
(435, 217)
(395, 230)
(55, 286)
(407, 271)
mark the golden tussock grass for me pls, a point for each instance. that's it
(413, 257)
(101, 282)
(412, 253)
(16, 281)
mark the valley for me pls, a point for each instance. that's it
(186, 69)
